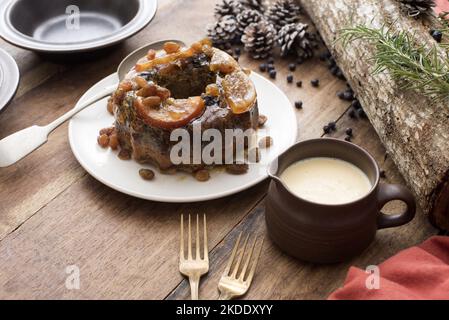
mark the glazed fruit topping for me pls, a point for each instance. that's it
(171, 114)
(223, 62)
(151, 54)
(171, 47)
(239, 92)
(212, 90)
(174, 52)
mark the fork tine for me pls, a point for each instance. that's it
(239, 260)
(181, 244)
(197, 255)
(189, 248)
(248, 259)
(253, 267)
(231, 259)
(206, 249)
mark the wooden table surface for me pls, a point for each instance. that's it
(53, 214)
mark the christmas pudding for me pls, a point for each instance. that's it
(179, 88)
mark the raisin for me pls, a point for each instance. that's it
(146, 174)
(103, 140)
(113, 142)
(202, 175)
(237, 168)
(152, 102)
(124, 154)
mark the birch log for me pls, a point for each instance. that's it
(414, 129)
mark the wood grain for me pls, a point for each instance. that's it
(53, 214)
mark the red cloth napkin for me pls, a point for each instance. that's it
(442, 5)
(418, 273)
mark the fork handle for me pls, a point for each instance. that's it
(194, 284)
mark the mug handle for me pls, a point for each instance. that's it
(390, 192)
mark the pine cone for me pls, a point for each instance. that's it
(248, 16)
(295, 39)
(259, 39)
(283, 12)
(224, 31)
(415, 8)
(228, 7)
(258, 5)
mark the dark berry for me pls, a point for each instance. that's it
(341, 94)
(270, 60)
(292, 66)
(332, 125)
(298, 104)
(437, 35)
(272, 74)
(270, 66)
(356, 104)
(340, 75)
(315, 83)
(361, 113)
(326, 129)
(352, 114)
(348, 95)
(263, 67)
(290, 78)
(228, 45)
(383, 174)
(334, 70)
(209, 100)
(238, 51)
(349, 132)
(348, 138)
(299, 84)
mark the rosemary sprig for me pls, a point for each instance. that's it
(414, 66)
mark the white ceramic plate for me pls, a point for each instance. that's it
(9, 78)
(104, 165)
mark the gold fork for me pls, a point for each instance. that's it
(234, 283)
(194, 268)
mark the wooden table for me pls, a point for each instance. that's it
(53, 214)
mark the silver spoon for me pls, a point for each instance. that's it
(20, 144)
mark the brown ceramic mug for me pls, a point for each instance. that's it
(323, 233)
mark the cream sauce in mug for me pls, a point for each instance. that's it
(328, 181)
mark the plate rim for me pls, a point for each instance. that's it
(12, 88)
(147, 12)
(167, 199)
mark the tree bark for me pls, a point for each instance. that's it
(414, 129)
